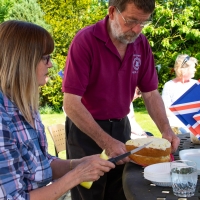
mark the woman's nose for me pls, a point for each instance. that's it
(50, 64)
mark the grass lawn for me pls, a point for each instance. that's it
(141, 116)
(145, 121)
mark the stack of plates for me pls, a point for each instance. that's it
(159, 174)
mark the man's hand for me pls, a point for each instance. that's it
(171, 137)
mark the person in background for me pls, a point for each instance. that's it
(25, 165)
(185, 68)
(136, 129)
(105, 63)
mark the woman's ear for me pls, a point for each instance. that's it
(111, 12)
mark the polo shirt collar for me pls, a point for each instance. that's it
(100, 30)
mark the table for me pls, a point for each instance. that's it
(138, 188)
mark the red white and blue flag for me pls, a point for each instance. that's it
(187, 109)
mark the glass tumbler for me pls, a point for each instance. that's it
(184, 177)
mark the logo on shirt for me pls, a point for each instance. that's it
(136, 64)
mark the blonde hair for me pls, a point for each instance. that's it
(22, 45)
(179, 63)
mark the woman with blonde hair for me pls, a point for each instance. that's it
(185, 68)
(26, 167)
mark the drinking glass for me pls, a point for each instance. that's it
(184, 177)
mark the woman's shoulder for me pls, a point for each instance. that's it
(194, 80)
(169, 83)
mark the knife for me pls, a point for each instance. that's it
(116, 159)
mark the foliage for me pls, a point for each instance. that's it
(175, 30)
(28, 10)
(51, 93)
(46, 110)
(5, 5)
(66, 18)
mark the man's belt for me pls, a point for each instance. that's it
(111, 120)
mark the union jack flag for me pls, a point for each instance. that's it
(187, 109)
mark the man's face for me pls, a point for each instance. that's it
(125, 37)
(126, 26)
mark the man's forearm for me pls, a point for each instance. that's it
(84, 120)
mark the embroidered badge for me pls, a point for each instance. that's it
(136, 63)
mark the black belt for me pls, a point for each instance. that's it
(111, 120)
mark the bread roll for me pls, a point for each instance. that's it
(156, 152)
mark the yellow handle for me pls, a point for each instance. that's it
(88, 184)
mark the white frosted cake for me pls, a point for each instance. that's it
(156, 152)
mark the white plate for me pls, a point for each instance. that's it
(159, 174)
(159, 168)
(168, 179)
(163, 184)
(192, 155)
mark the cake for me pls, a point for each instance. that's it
(156, 152)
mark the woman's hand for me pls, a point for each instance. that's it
(92, 167)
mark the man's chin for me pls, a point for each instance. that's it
(127, 41)
(131, 41)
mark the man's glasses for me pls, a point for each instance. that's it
(185, 60)
(46, 59)
(132, 23)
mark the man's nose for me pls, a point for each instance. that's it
(137, 28)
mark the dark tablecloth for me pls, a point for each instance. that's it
(138, 188)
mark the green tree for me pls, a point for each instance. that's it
(175, 30)
(5, 5)
(28, 10)
(66, 19)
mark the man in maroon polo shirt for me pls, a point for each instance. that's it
(105, 63)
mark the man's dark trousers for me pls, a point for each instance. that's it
(109, 186)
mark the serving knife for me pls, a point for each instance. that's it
(117, 158)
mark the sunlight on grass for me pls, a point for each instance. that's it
(141, 116)
(145, 121)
